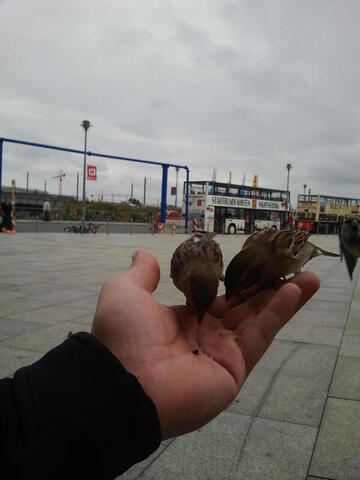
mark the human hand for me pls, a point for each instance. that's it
(156, 342)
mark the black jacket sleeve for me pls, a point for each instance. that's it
(74, 414)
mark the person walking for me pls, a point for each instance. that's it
(46, 211)
(6, 210)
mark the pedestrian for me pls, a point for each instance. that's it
(7, 221)
(46, 211)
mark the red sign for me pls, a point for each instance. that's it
(306, 225)
(91, 172)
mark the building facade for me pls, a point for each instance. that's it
(324, 213)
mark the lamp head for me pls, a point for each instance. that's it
(86, 124)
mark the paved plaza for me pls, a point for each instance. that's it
(298, 414)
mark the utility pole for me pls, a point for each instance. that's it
(288, 166)
(176, 190)
(132, 192)
(144, 191)
(45, 186)
(77, 187)
(86, 125)
(27, 181)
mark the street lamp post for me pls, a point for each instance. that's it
(288, 166)
(86, 125)
(176, 188)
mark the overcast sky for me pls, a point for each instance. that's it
(241, 86)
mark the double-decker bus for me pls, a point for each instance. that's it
(228, 208)
(324, 213)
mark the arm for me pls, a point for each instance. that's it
(76, 413)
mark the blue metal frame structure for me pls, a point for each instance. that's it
(165, 168)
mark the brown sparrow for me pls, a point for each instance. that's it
(196, 268)
(267, 256)
(349, 237)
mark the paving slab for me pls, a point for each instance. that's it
(306, 333)
(210, 453)
(350, 345)
(55, 314)
(336, 453)
(45, 339)
(11, 359)
(276, 450)
(346, 381)
(290, 384)
(323, 318)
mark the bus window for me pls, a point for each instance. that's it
(221, 190)
(234, 213)
(234, 191)
(196, 189)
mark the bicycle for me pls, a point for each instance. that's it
(90, 228)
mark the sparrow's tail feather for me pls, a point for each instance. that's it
(328, 254)
(320, 251)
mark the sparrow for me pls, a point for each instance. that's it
(267, 256)
(196, 268)
(349, 239)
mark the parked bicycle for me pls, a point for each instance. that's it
(89, 228)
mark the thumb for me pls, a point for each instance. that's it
(144, 271)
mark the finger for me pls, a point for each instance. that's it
(221, 305)
(256, 337)
(144, 271)
(309, 283)
(220, 345)
(232, 318)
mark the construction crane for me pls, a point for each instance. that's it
(60, 177)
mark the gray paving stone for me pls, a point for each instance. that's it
(45, 339)
(204, 454)
(350, 346)
(292, 387)
(12, 359)
(11, 327)
(328, 318)
(276, 450)
(52, 315)
(346, 381)
(336, 454)
(333, 294)
(311, 334)
(353, 323)
(15, 306)
(327, 305)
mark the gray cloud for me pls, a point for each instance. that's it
(241, 86)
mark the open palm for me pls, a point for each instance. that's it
(191, 373)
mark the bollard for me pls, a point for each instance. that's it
(107, 226)
(131, 226)
(37, 224)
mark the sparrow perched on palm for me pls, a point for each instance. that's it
(349, 237)
(267, 256)
(196, 269)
